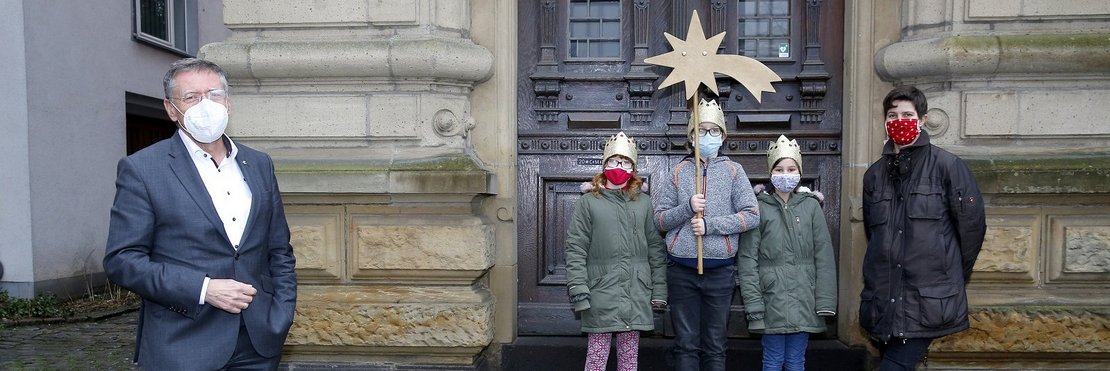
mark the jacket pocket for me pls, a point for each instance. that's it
(645, 279)
(767, 280)
(940, 305)
(267, 284)
(926, 202)
(877, 207)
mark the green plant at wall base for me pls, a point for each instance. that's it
(42, 306)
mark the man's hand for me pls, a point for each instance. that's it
(697, 203)
(230, 295)
(699, 226)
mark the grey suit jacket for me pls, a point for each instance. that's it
(165, 237)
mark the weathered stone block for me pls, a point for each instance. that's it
(992, 113)
(316, 235)
(296, 13)
(989, 55)
(993, 8)
(1006, 249)
(929, 12)
(415, 58)
(309, 241)
(298, 116)
(393, 115)
(1035, 8)
(302, 59)
(1080, 174)
(438, 182)
(1079, 248)
(1032, 330)
(1057, 113)
(394, 12)
(452, 14)
(393, 316)
(1087, 249)
(422, 242)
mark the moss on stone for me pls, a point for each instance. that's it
(1057, 41)
(1045, 175)
(1070, 42)
(1089, 52)
(969, 43)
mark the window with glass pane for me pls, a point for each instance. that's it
(169, 24)
(595, 29)
(764, 28)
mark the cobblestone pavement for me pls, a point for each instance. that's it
(106, 344)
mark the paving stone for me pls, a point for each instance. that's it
(99, 345)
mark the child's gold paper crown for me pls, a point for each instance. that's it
(620, 145)
(708, 111)
(781, 149)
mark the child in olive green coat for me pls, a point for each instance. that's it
(787, 271)
(615, 259)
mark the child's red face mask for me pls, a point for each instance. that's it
(617, 175)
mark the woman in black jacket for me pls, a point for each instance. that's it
(925, 223)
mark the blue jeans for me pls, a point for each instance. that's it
(785, 350)
(699, 312)
(903, 354)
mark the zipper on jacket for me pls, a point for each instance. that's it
(705, 181)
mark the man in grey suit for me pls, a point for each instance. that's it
(198, 231)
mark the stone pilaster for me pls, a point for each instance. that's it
(365, 106)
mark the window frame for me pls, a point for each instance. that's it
(793, 30)
(181, 17)
(567, 40)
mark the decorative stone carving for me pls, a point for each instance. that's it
(446, 124)
(938, 122)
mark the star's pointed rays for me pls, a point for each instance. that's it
(715, 43)
(694, 33)
(695, 60)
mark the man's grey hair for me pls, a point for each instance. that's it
(191, 65)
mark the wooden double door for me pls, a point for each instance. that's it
(582, 78)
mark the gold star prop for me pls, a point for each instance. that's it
(695, 60)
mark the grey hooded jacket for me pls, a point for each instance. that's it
(730, 208)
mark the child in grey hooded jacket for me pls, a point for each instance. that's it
(700, 302)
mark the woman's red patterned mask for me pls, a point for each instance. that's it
(902, 131)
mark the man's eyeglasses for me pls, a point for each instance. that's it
(715, 132)
(215, 95)
(615, 163)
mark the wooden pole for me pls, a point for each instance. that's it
(697, 167)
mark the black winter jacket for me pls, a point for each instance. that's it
(925, 224)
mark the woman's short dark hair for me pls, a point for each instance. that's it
(907, 93)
